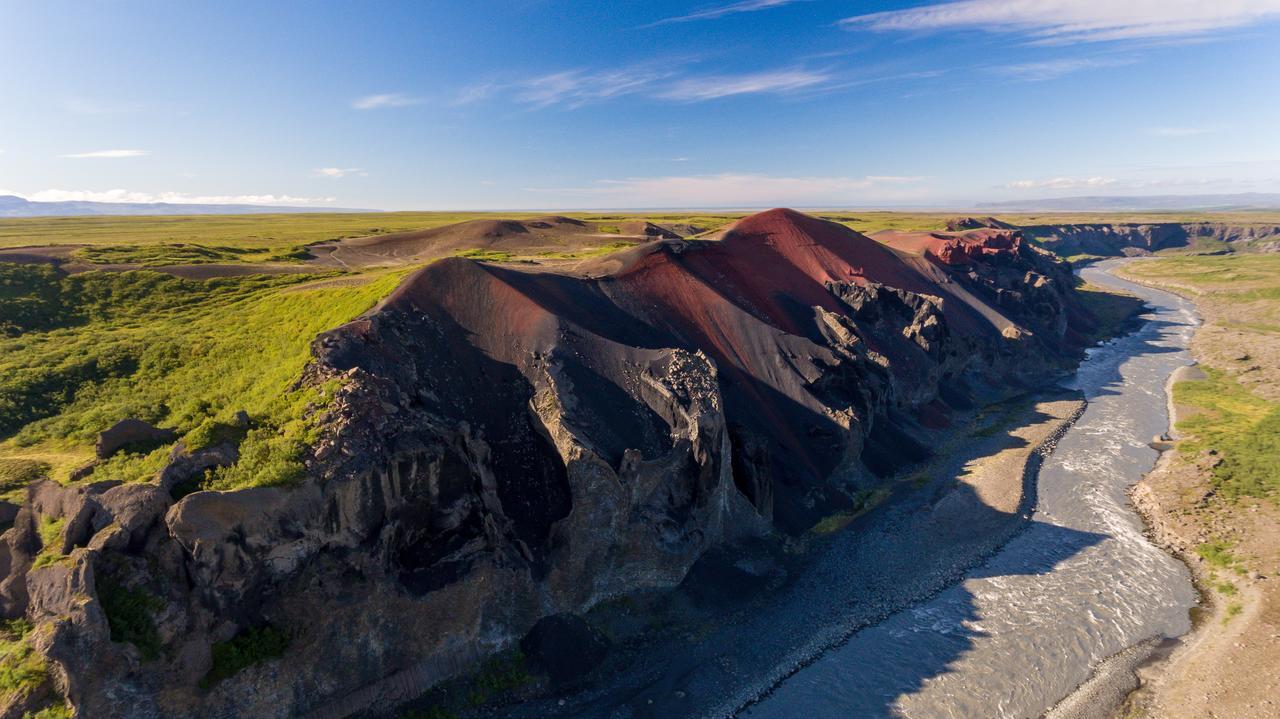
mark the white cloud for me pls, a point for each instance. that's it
(338, 172)
(1051, 69)
(716, 86)
(1179, 131)
(733, 190)
(1065, 21)
(392, 99)
(106, 154)
(712, 13)
(177, 198)
(1061, 183)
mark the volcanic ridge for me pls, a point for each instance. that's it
(510, 443)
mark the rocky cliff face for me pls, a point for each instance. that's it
(1138, 239)
(507, 444)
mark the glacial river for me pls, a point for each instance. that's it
(1080, 584)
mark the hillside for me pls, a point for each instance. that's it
(461, 445)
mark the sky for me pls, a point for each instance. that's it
(576, 104)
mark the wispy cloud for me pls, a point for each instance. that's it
(712, 87)
(1068, 21)
(476, 93)
(338, 172)
(177, 198)
(105, 154)
(1061, 183)
(1052, 69)
(89, 106)
(391, 99)
(1179, 131)
(719, 11)
(576, 88)
(734, 190)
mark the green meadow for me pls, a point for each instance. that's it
(1240, 293)
(84, 351)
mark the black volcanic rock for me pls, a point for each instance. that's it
(507, 445)
(565, 647)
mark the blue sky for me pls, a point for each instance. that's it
(566, 104)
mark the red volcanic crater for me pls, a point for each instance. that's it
(822, 338)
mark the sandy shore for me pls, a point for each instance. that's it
(1229, 665)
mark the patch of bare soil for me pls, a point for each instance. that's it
(1230, 665)
(488, 239)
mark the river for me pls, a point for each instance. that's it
(1080, 584)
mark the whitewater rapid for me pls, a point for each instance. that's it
(1080, 584)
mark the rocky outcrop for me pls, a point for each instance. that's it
(506, 445)
(130, 433)
(957, 224)
(1118, 239)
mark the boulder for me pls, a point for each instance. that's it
(131, 432)
(565, 647)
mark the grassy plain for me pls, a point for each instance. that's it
(1235, 409)
(270, 231)
(86, 350)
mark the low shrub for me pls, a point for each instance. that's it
(129, 613)
(249, 647)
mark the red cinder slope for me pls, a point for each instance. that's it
(785, 305)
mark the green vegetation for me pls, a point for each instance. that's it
(1240, 426)
(866, 501)
(17, 473)
(129, 616)
(866, 222)
(185, 254)
(262, 232)
(1217, 554)
(486, 255)
(98, 347)
(22, 670)
(499, 675)
(1233, 278)
(1233, 609)
(55, 711)
(50, 530)
(504, 256)
(1226, 588)
(591, 252)
(249, 647)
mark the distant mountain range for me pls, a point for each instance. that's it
(14, 206)
(1240, 201)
